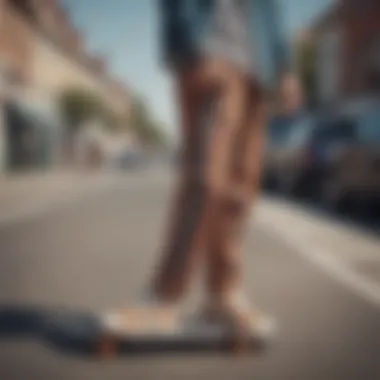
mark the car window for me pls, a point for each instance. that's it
(338, 130)
(370, 127)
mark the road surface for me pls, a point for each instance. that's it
(97, 251)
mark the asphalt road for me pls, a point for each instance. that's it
(96, 253)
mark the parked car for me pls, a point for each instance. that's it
(297, 165)
(334, 157)
(292, 162)
(352, 175)
(301, 163)
(278, 131)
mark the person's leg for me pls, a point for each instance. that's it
(209, 146)
(225, 277)
(181, 248)
(246, 172)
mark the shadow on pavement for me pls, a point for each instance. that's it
(64, 330)
(79, 333)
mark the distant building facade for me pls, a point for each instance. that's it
(39, 43)
(361, 25)
(347, 38)
(42, 49)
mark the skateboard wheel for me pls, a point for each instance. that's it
(107, 348)
(239, 345)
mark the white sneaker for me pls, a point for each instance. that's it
(146, 315)
(260, 324)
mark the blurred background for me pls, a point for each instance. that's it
(61, 103)
(88, 144)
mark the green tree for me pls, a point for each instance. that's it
(146, 129)
(78, 106)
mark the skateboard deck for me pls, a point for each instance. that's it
(100, 334)
(183, 333)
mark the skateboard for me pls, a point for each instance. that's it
(105, 335)
(184, 333)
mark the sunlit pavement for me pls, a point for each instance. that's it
(25, 195)
(316, 277)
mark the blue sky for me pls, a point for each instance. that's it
(126, 32)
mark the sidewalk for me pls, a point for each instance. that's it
(348, 253)
(24, 195)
